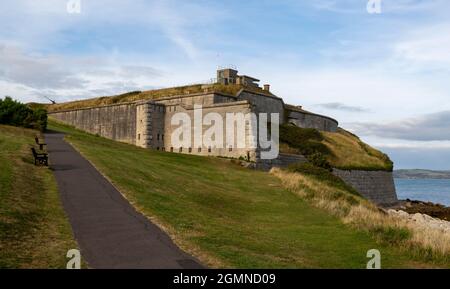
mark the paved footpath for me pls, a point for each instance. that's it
(109, 231)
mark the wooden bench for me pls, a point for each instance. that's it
(39, 158)
(41, 145)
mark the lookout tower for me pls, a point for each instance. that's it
(230, 76)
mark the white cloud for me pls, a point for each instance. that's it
(388, 6)
(40, 24)
(342, 107)
(36, 71)
(428, 127)
(408, 6)
(387, 94)
(425, 48)
(29, 76)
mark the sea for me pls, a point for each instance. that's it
(428, 190)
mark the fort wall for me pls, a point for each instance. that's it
(147, 124)
(282, 161)
(377, 186)
(264, 103)
(117, 122)
(197, 98)
(222, 109)
(306, 119)
(150, 125)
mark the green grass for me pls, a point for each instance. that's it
(348, 152)
(34, 230)
(322, 175)
(230, 216)
(341, 149)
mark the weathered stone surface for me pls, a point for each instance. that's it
(282, 161)
(422, 220)
(310, 120)
(264, 103)
(116, 122)
(377, 186)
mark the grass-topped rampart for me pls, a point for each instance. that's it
(231, 89)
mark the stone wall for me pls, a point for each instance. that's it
(221, 109)
(376, 186)
(264, 103)
(196, 98)
(306, 119)
(150, 125)
(283, 160)
(117, 122)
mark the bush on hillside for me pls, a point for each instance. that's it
(319, 160)
(18, 114)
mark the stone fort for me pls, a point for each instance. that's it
(147, 123)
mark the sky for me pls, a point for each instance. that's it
(384, 76)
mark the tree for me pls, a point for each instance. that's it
(18, 114)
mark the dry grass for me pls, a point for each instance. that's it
(152, 94)
(348, 152)
(359, 213)
(340, 149)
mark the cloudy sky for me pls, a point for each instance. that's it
(384, 76)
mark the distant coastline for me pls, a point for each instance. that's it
(421, 174)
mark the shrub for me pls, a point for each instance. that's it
(319, 160)
(308, 142)
(18, 114)
(38, 119)
(296, 136)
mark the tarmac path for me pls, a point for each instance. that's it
(109, 231)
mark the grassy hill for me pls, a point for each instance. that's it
(342, 149)
(34, 231)
(349, 152)
(229, 216)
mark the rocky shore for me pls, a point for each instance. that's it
(423, 213)
(433, 210)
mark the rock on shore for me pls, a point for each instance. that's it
(434, 210)
(422, 220)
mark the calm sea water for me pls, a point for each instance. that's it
(430, 190)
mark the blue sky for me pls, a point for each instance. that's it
(383, 76)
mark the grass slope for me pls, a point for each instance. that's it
(229, 216)
(349, 152)
(341, 149)
(34, 231)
